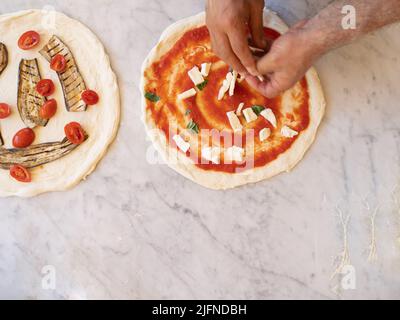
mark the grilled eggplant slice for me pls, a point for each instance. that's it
(71, 79)
(29, 101)
(1, 140)
(36, 155)
(3, 57)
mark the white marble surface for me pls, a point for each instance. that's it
(134, 230)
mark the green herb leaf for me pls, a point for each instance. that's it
(257, 109)
(188, 111)
(152, 97)
(193, 126)
(202, 85)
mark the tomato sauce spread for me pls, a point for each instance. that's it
(168, 77)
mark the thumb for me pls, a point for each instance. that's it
(267, 64)
(268, 88)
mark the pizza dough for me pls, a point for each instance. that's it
(100, 121)
(224, 180)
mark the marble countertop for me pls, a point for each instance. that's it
(135, 230)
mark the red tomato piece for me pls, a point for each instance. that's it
(23, 138)
(271, 34)
(90, 97)
(5, 110)
(49, 109)
(45, 87)
(20, 173)
(58, 63)
(29, 40)
(74, 132)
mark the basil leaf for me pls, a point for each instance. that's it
(188, 111)
(152, 97)
(202, 85)
(193, 126)
(257, 109)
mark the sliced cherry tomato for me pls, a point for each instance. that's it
(49, 109)
(29, 40)
(45, 87)
(23, 138)
(58, 63)
(74, 132)
(5, 110)
(271, 34)
(90, 97)
(20, 173)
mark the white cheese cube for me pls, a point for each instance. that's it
(182, 144)
(187, 94)
(250, 115)
(229, 77)
(205, 69)
(265, 134)
(239, 109)
(212, 154)
(225, 86)
(233, 83)
(234, 121)
(268, 114)
(224, 89)
(288, 132)
(196, 76)
(234, 154)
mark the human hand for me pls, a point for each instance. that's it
(229, 22)
(289, 58)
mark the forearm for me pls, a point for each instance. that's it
(328, 33)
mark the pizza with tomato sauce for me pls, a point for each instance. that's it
(210, 125)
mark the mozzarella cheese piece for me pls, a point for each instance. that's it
(232, 85)
(182, 144)
(187, 94)
(212, 154)
(288, 132)
(250, 115)
(265, 134)
(234, 121)
(196, 76)
(225, 86)
(234, 154)
(205, 69)
(239, 109)
(269, 115)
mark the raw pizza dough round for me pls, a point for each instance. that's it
(100, 121)
(222, 180)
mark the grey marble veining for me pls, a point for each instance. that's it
(135, 230)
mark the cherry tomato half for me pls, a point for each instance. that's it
(49, 109)
(90, 97)
(45, 87)
(5, 110)
(29, 40)
(74, 132)
(23, 138)
(20, 173)
(58, 63)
